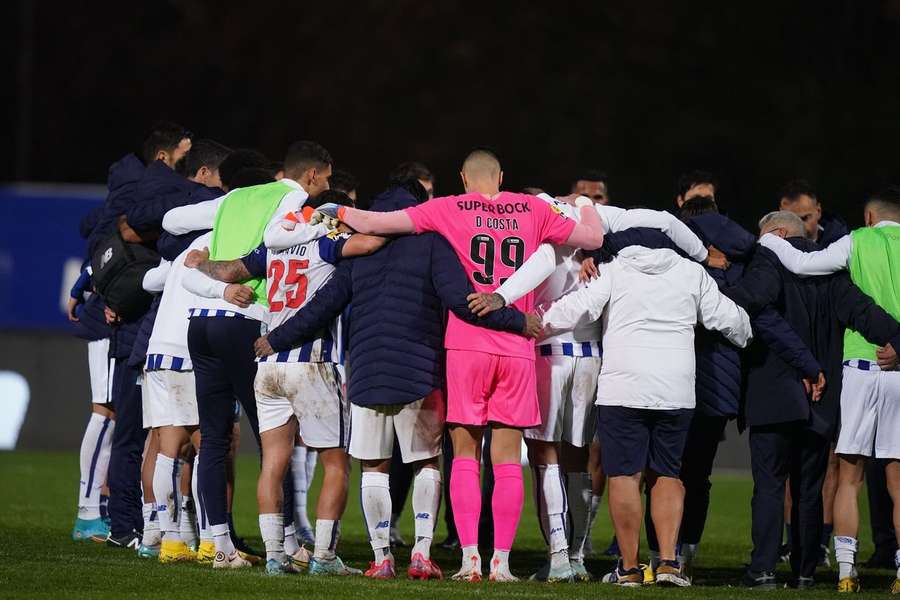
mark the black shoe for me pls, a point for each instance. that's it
(882, 558)
(451, 543)
(130, 540)
(758, 580)
(243, 546)
(801, 583)
(784, 553)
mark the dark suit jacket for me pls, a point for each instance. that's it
(819, 309)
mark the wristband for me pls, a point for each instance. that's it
(582, 201)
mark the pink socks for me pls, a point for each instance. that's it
(465, 494)
(509, 494)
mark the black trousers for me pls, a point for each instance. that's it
(777, 452)
(124, 478)
(696, 467)
(447, 467)
(881, 508)
(224, 369)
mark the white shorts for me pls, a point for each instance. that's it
(169, 398)
(419, 428)
(567, 391)
(870, 413)
(311, 393)
(100, 366)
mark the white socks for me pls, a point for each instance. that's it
(327, 534)
(166, 478)
(299, 471)
(578, 494)
(500, 560)
(290, 539)
(152, 534)
(376, 506)
(553, 507)
(897, 562)
(95, 448)
(845, 548)
(271, 526)
(469, 553)
(222, 539)
(426, 501)
(202, 524)
(187, 522)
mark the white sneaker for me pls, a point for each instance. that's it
(500, 572)
(231, 561)
(301, 558)
(469, 572)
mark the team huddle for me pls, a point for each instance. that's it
(437, 334)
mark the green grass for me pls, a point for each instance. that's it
(38, 558)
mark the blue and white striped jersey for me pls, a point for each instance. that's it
(293, 276)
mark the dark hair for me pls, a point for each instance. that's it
(532, 190)
(250, 176)
(304, 155)
(688, 180)
(238, 160)
(413, 169)
(332, 196)
(590, 175)
(696, 206)
(342, 181)
(793, 189)
(890, 194)
(203, 153)
(164, 136)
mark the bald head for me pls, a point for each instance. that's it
(782, 223)
(481, 172)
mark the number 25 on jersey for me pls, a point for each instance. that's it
(287, 281)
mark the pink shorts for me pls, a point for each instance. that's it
(484, 388)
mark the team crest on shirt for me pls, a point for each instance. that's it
(557, 207)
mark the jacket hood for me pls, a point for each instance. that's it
(125, 171)
(393, 198)
(649, 261)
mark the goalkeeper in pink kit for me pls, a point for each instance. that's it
(490, 374)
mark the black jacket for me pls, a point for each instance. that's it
(400, 295)
(832, 228)
(819, 309)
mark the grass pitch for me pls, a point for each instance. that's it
(38, 558)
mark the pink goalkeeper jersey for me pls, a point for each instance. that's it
(492, 239)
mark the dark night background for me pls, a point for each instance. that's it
(757, 92)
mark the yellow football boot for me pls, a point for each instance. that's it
(174, 551)
(849, 585)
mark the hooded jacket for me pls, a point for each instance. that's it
(96, 227)
(649, 301)
(719, 373)
(399, 299)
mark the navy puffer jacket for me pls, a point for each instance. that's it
(400, 295)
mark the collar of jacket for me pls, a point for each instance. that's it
(801, 243)
(393, 198)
